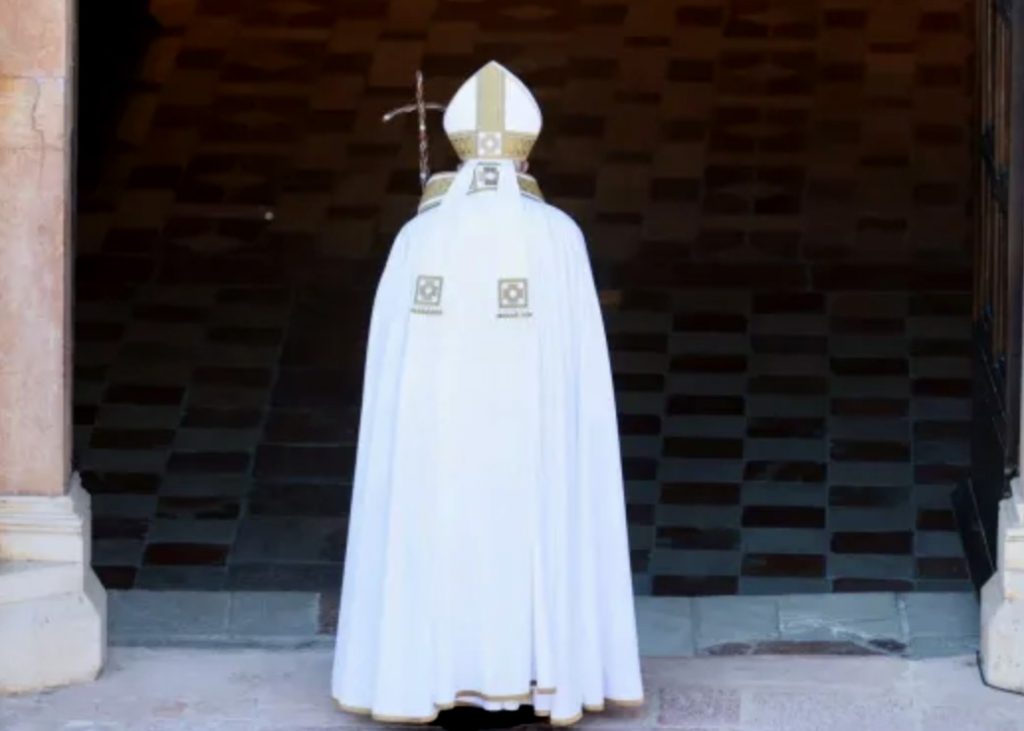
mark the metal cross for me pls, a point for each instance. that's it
(420, 106)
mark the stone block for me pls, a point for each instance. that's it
(783, 493)
(938, 543)
(665, 626)
(168, 614)
(840, 617)
(274, 613)
(192, 531)
(1002, 607)
(703, 425)
(285, 576)
(53, 610)
(694, 563)
(941, 615)
(734, 620)
(870, 566)
(295, 540)
(777, 585)
(785, 540)
(201, 578)
(931, 647)
(56, 638)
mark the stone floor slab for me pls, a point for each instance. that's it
(732, 620)
(274, 613)
(941, 615)
(665, 626)
(169, 614)
(840, 616)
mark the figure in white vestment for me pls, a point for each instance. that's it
(487, 558)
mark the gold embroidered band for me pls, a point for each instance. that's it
(439, 184)
(490, 99)
(492, 145)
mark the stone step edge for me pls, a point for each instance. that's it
(884, 623)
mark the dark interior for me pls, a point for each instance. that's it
(777, 198)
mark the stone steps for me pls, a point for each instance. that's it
(907, 625)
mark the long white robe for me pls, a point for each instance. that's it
(487, 557)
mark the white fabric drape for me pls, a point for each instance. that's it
(487, 556)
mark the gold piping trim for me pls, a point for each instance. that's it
(490, 99)
(511, 146)
(439, 184)
(566, 721)
(534, 690)
(352, 709)
(494, 698)
(448, 706)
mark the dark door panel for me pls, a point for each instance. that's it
(999, 236)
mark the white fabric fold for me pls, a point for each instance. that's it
(487, 560)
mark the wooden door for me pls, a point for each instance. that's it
(998, 262)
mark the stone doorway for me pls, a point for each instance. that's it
(777, 202)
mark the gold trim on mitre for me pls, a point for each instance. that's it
(490, 99)
(440, 183)
(492, 145)
(496, 92)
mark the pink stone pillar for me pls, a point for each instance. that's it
(53, 609)
(35, 291)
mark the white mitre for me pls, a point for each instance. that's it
(493, 116)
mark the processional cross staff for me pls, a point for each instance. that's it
(420, 106)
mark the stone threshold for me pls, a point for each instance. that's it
(914, 625)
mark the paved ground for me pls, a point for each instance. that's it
(263, 690)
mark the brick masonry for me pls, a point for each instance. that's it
(777, 201)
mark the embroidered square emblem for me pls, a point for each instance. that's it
(488, 144)
(513, 293)
(485, 177)
(428, 291)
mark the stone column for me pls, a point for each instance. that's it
(1002, 601)
(52, 608)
